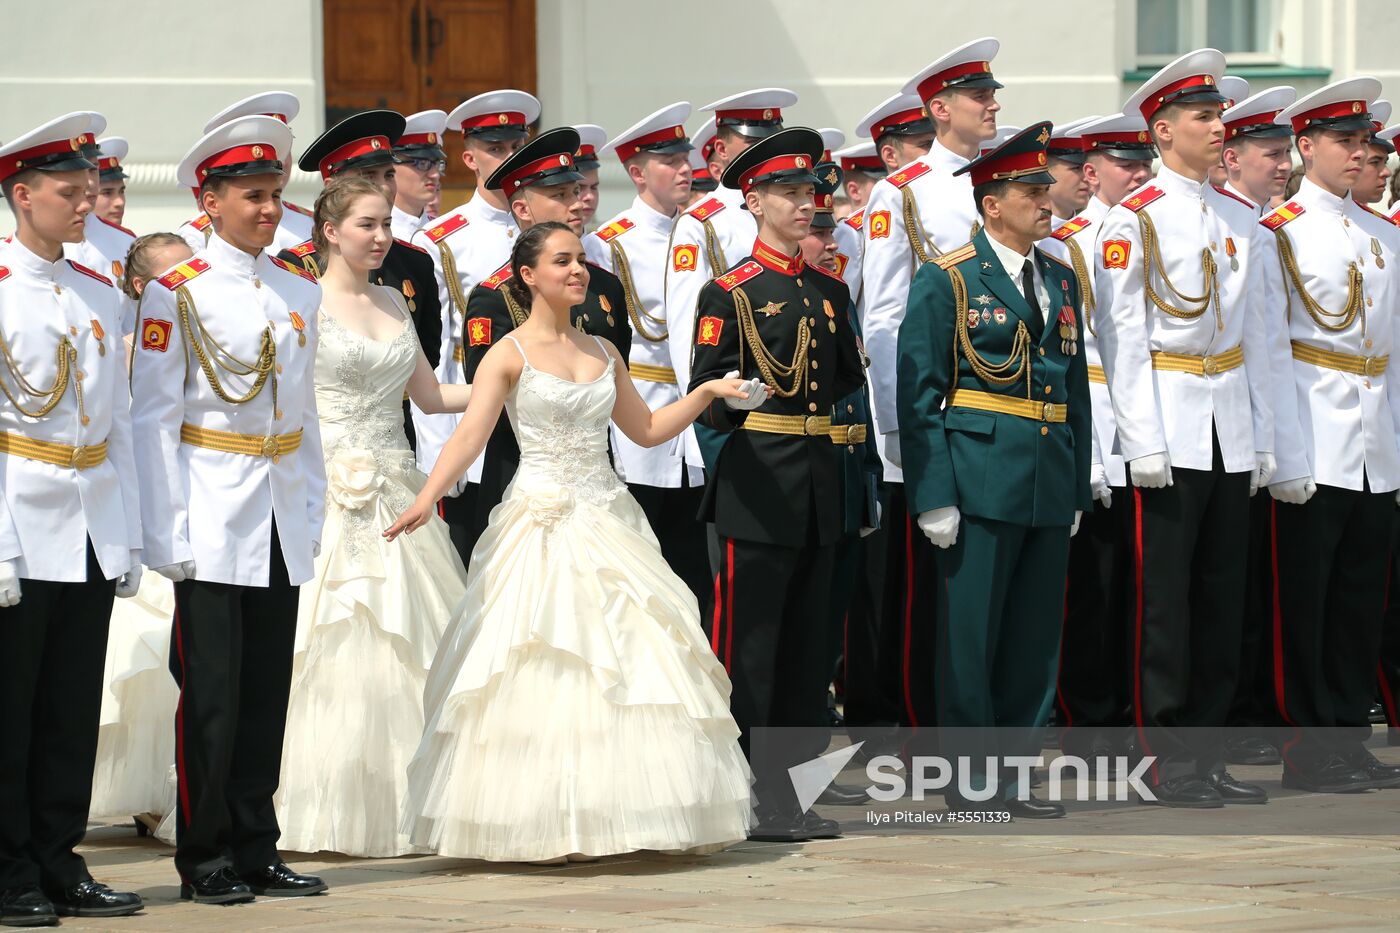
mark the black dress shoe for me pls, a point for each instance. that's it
(1186, 792)
(819, 827)
(1251, 750)
(278, 880)
(1033, 809)
(1335, 776)
(1381, 774)
(837, 795)
(217, 887)
(94, 899)
(26, 907)
(780, 826)
(1234, 791)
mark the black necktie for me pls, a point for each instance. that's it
(1028, 289)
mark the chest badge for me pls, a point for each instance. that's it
(1230, 251)
(830, 315)
(607, 308)
(101, 335)
(1376, 251)
(408, 295)
(772, 308)
(299, 326)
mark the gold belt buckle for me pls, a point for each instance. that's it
(812, 425)
(75, 460)
(1048, 412)
(1373, 366)
(1208, 365)
(270, 447)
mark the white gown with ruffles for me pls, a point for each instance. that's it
(574, 705)
(368, 623)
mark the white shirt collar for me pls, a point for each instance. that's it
(1176, 183)
(730, 197)
(1319, 198)
(32, 263)
(939, 154)
(228, 256)
(1230, 187)
(1014, 263)
(646, 215)
(1096, 210)
(478, 209)
(403, 217)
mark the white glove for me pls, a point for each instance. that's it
(892, 452)
(9, 584)
(1098, 484)
(177, 573)
(1151, 472)
(315, 549)
(1294, 491)
(940, 526)
(130, 581)
(1264, 467)
(870, 530)
(1074, 529)
(754, 388)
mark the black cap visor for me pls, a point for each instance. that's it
(823, 220)
(497, 134)
(409, 153)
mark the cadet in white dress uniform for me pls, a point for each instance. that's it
(667, 481)
(467, 245)
(915, 215)
(233, 495)
(1188, 368)
(1333, 266)
(70, 529)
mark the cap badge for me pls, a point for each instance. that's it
(800, 162)
(767, 114)
(257, 152)
(1040, 158)
(564, 160)
(432, 137)
(1209, 80)
(679, 132)
(1142, 136)
(502, 119)
(375, 144)
(1356, 106)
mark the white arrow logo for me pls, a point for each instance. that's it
(810, 778)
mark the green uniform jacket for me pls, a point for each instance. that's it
(991, 465)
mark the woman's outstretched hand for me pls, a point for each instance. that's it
(740, 394)
(413, 518)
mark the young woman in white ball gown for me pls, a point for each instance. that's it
(574, 708)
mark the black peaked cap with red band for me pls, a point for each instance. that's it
(548, 159)
(788, 156)
(364, 140)
(1021, 158)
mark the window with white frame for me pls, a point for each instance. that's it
(1245, 30)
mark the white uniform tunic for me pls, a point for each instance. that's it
(1340, 428)
(642, 234)
(104, 249)
(48, 513)
(403, 224)
(209, 506)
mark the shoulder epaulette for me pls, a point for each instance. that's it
(303, 249)
(828, 272)
(706, 209)
(736, 277)
(201, 223)
(498, 278)
(910, 172)
(1282, 215)
(4, 273)
(116, 226)
(1143, 198)
(856, 220)
(445, 227)
(78, 267)
(961, 254)
(1371, 210)
(1230, 194)
(292, 268)
(1070, 227)
(411, 245)
(183, 273)
(607, 232)
(297, 208)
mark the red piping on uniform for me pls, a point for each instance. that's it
(442, 513)
(1137, 629)
(729, 606)
(908, 613)
(1060, 661)
(719, 612)
(182, 775)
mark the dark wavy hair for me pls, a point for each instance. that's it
(527, 254)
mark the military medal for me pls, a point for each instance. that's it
(1376, 251)
(101, 335)
(607, 308)
(1000, 315)
(300, 326)
(408, 293)
(987, 315)
(830, 315)
(973, 318)
(1230, 251)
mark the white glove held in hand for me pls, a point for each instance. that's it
(9, 584)
(1151, 472)
(177, 573)
(130, 581)
(1074, 529)
(1264, 467)
(1098, 484)
(1295, 491)
(754, 388)
(892, 452)
(940, 526)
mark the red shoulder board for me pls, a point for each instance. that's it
(303, 249)
(1230, 194)
(910, 172)
(295, 270)
(732, 280)
(1371, 210)
(90, 273)
(1070, 227)
(201, 223)
(445, 228)
(1143, 198)
(183, 273)
(499, 277)
(841, 260)
(1282, 215)
(410, 245)
(297, 208)
(116, 226)
(706, 209)
(618, 227)
(856, 220)
(4, 273)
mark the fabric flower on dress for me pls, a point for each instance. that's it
(549, 507)
(353, 479)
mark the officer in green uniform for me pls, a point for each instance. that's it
(994, 417)
(540, 182)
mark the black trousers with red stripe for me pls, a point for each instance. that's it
(1388, 669)
(908, 635)
(53, 645)
(231, 654)
(1253, 711)
(1092, 690)
(683, 538)
(772, 632)
(869, 699)
(1331, 557)
(1190, 548)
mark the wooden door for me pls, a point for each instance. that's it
(410, 55)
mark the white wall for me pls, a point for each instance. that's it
(159, 71)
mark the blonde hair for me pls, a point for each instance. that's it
(334, 202)
(139, 257)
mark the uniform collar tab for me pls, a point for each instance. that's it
(773, 259)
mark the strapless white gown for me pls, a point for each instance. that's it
(574, 705)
